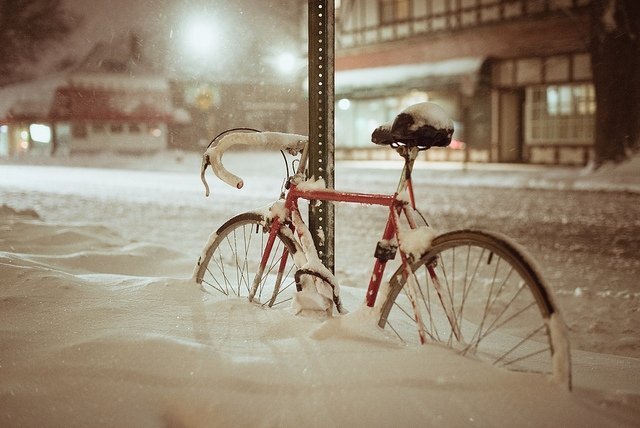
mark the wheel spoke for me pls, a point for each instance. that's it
(426, 301)
(232, 263)
(519, 344)
(216, 286)
(488, 293)
(490, 330)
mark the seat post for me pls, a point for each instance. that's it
(409, 154)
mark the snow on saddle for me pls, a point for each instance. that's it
(421, 125)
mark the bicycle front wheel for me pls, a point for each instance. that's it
(478, 293)
(230, 262)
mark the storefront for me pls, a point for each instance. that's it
(534, 109)
(515, 76)
(367, 98)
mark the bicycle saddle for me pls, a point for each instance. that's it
(421, 125)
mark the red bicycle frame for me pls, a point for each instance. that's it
(394, 203)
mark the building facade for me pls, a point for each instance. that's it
(112, 101)
(515, 75)
(80, 113)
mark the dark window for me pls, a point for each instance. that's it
(116, 128)
(78, 130)
(394, 11)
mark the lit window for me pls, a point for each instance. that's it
(154, 130)
(413, 97)
(344, 104)
(560, 114)
(40, 133)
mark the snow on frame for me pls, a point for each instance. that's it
(416, 242)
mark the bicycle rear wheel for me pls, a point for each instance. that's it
(492, 304)
(231, 259)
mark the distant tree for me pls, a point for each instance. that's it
(27, 29)
(615, 58)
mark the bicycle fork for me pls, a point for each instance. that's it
(310, 255)
(385, 251)
(275, 226)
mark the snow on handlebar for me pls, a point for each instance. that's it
(292, 143)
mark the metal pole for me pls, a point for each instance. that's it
(321, 122)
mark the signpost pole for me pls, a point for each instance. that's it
(321, 122)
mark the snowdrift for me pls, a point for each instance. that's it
(100, 331)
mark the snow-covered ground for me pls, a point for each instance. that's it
(102, 327)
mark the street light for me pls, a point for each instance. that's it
(286, 63)
(200, 36)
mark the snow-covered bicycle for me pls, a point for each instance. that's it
(475, 291)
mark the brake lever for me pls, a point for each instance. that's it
(203, 168)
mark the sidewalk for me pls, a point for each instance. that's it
(612, 178)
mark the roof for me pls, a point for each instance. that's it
(114, 81)
(83, 97)
(32, 98)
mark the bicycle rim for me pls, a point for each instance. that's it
(231, 260)
(492, 304)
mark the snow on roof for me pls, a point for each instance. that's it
(121, 95)
(401, 74)
(30, 98)
(119, 66)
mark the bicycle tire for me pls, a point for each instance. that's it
(230, 261)
(484, 308)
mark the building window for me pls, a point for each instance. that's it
(560, 114)
(40, 133)
(359, 18)
(154, 129)
(78, 130)
(116, 128)
(394, 11)
(98, 128)
(134, 128)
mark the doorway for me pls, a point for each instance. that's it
(510, 129)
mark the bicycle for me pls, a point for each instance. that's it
(474, 291)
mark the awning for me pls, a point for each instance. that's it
(464, 71)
